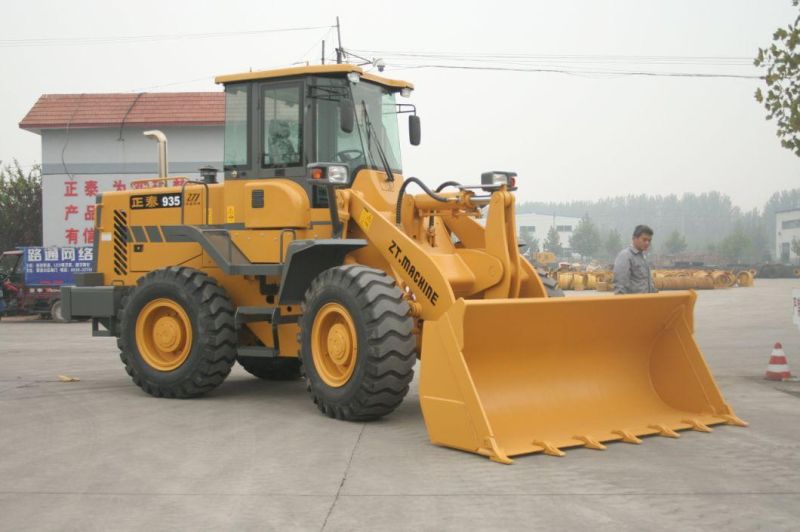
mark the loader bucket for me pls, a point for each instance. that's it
(507, 377)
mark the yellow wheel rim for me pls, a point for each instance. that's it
(334, 344)
(163, 334)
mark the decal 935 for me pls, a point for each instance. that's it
(156, 201)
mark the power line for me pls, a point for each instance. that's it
(577, 72)
(568, 58)
(211, 78)
(131, 39)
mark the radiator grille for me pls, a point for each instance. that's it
(120, 242)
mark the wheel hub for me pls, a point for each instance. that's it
(167, 333)
(339, 344)
(334, 344)
(163, 334)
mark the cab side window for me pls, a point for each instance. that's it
(282, 130)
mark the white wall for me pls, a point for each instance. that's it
(63, 194)
(96, 158)
(100, 150)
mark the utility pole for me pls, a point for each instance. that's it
(323, 51)
(339, 51)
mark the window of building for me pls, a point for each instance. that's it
(531, 228)
(564, 228)
(283, 130)
(790, 224)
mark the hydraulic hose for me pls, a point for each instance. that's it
(424, 187)
(448, 184)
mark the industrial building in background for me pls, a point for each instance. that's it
(538, 225)
(94, 143)
(787, 228)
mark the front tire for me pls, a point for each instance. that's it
(177, 333)
(357, 344)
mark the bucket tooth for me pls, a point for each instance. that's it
(627, 436)
(591, 443)
(548, 448)
(730, 419)
(696, 425)
(494, 453)
(665, 431)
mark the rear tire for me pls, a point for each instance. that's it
(272, 369)
(177, 335)
(361, 309)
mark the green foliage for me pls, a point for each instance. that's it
(796, 246)
(675, 243)
(782, 97)
(526, 237)
(739, 246)
(553, 242)
(613, 244)
(20, 207)
(702, 219)
(585, 239)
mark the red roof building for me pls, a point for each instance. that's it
(93, 143)
(59, 111)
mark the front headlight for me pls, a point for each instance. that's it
(331, 173)
(337, 174)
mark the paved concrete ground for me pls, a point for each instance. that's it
(99, 454)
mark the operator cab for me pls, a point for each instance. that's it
(278, 122)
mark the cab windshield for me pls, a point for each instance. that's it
(376, 125)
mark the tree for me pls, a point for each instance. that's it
(553, 241)
(613, 244)
(20, 207)
(796, 246)
(782, 98)
(527, 238)
(675, 243)
(737, 246)
(585, 239)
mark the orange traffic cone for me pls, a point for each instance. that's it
(778, 369)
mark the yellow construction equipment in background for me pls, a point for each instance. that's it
(313, 254)
(681, 279)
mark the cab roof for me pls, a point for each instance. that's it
(311, 70)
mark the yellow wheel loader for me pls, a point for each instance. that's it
(315, 258)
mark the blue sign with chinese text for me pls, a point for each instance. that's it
(54, 266)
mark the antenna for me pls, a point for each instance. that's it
(339, 51)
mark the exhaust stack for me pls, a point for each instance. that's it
(161, 138)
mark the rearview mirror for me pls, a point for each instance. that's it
(414, 130)
(347, 115)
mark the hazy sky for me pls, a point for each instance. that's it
(572, 136)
